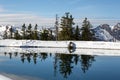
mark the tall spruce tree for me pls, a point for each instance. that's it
(24, 31)
(35, 37)
(87, 34)
(11, 32)
(77, 33)
(5, 33)
(66, 24)
(29, 31)
(29, 27)
(17, 36)
(44, 34)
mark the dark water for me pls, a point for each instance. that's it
(58, 66)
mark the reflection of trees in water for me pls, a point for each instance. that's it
(28, 56)
(35, 57)
(43, 56)
(23, 57)
(86, 62)
(63, 63)
(16, 54)
(66, 63)
(10, 54)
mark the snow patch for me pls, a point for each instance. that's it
(4, 78)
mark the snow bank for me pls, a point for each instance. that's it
(4, 78)
(36, 43)
(98, 52)
(33, 50)
(61, 44)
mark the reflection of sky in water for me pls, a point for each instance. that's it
(46, 66)
(15, 66)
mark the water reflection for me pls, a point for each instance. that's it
(63, 63)
(86, 61)
(59, 63)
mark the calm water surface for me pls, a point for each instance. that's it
(58, 66)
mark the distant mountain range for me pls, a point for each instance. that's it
(105, 33)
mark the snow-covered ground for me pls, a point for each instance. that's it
(98, 52)
(4, 78)
(61, 44)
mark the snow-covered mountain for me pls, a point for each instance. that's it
(6, 29)
(106, 27)
(103, 33)
(2, 30)
(116, 31)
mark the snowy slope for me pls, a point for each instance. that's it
(4, 78)
(2, 29)
(102, 34)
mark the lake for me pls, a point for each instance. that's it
(59, 64)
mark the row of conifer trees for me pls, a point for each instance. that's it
(67, 32)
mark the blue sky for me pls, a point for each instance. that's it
(44, 11)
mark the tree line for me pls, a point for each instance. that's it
(67, 32)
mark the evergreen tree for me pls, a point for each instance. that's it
(24, 31)
(5, 33)
(36, 27)
(77, 33)
(17, 36)
(29, 27)
(66, 24)
(44, 35)
(87, 34)
(11, 31)
(29, 31)
(50, 35)
(35, 37)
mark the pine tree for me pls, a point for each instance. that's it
(29, 27)
(24, 31)
(44, 34)
(77, 33)
(11, 31)
(17, 36)
(35, 37)
(29, 31)
(5, 33)
(36, 27)
(66, 24)
(50, 36)
(87, 34)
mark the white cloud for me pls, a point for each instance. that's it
(19, 19)
(97, 22)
